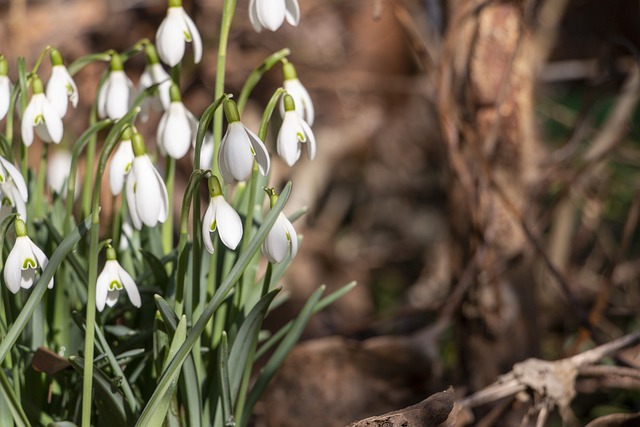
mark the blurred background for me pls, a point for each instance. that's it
(477, 174)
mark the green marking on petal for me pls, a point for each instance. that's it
(115, 286)
(288, 236)
(69, 89)
(29, 263)
(127, 168)
(213, 226)
(187, 35)
(301, 137)
(252, 151)
(7, 202)
(38, 119)
(1, 178)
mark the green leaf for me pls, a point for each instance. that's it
(10, 400)
(280, 354)
(160, 412)
(38, 290)
(108, 398)
(223, 375)
(189, 384)
(157, 268)
(321, 305)
(194, 335)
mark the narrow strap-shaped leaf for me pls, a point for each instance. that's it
(108, 399)
(38, 290)
(280, 354)
(321, 305)
(194, 335)
(19, 417)
(160, 411)
(113, 362)
(223, 375)
(189, 384)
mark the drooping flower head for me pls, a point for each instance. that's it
(147, 198)
(293, 132)
(114, 98)
(174, 32)
(58, 171)
(23, 261)
(304, 105)
(282, 238)
(41, 115)
(13, 191)
(270, 14)
(61, 89)
(239, 147)
(154, 74)
(112, 280)
(5, 87)
(220, 217)
(177, 127)
(121, 162)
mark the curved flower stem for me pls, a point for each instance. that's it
(79, 146)
(167, 227)
(91, 154)
(110, 143)
(228, 10)
(42, 172)
(257, 74)
(39, 61)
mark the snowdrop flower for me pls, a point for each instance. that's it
(8, 172)
(5, 87)
(121, 162)
(58, 171)
(112, 280)
(23, 261)
(270, 14)
(304, 105)
(61, 88)
(239, 147)
(154, 74)
(114, 97)
(41, 115)
(176, 29)
(147, 198)
(293, 132)
(220, 217)
(282, 238)
(177, 127)
(12, 200)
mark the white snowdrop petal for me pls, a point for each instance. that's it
(27, 124)
(118, 97)
(253, 16)
(293, 237)
(287, 143)
(261, 153)
(207, 221)
(311, 140)
(17, 178)
(222, 162)
(163, 196)
(42, 260)
(229, 223)
(276, 245)
(52, 121)
(206, 154)
(170, 37)
(292, 12)
(270, 13)
(5, 95)
(102, 289)
(237, 155)
(129, 286)
(195, 38)
(177, 131)
(13, 270)
(147, 193)
(131, 202)
(57, 92)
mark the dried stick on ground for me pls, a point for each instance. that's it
(431, 412)
(552, 383)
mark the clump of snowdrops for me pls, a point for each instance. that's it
(131, 327)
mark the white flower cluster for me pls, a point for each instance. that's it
(133, 171)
